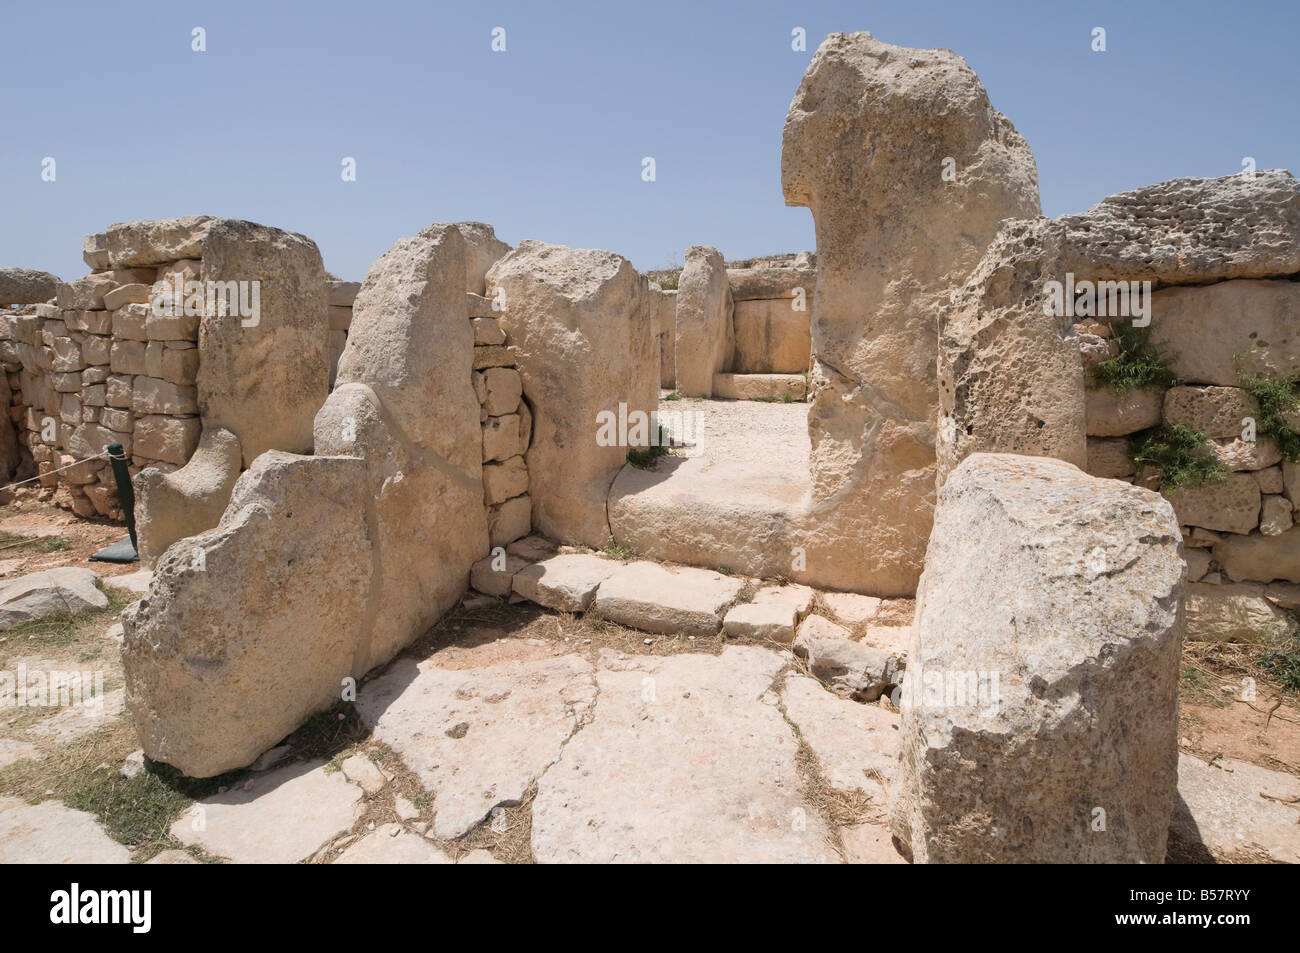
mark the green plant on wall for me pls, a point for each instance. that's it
(1278, 397)
(1139, 363)
(1181, 453)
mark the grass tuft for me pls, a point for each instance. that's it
(1278, 397)
(1138, 364)
(1181, 454)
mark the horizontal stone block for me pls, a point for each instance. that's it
(152, 395)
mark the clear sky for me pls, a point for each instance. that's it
(546, 139)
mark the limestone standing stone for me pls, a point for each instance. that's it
(185, 502)
(705, 338)
(590, 313)
(253, 626)
(667, 339)
(482, 250)
(404, 403)
(1040, 708)
(264, 377)
(323, 567)
(894, 236)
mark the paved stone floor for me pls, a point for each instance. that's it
(509, 746)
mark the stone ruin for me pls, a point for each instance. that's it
(317, 489)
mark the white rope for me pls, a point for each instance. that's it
(98, 456)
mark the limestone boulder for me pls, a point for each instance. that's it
(26, 286)
(566, 582)
(158, 242)
(867, 140)
(1217, 412)
(1205, 329)
(705, 335)
(655, 598)
(766, 281)
(1114, 415)
(482, 250)
(771, 621)
(66, 589)
(264, 376)
(1109, 457)
(185, 502)
(252, 626)
(404, 403)
(1235, 612)
(1040, 708)
(581, 325)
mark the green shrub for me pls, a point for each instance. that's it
(643, 458)
(1277, 397)
(1181, 453)
(1284, 665)
(1139, 363)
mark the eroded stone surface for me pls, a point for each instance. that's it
(392, 844)
(566, 582)
(1042, 679)
(865, 144)
(477, 737)
(592, 314)
(33, 596)
(686, 760)
(856, 744)
(654, 598)
(280, 817)
(1223, 807)
(50, 833)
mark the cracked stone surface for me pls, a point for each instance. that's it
(392, 844)
(856, 744)
(1223, 807)
(77, 721)
(280, 817)
(51, 833)
(477, 737)
(686, 758)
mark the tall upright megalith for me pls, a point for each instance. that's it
(705, 336)
(907, 169)
(582, 325)
(324, 566)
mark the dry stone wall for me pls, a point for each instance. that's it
(1219, 307)
(340, 295)
(507, 427)
(116, 356)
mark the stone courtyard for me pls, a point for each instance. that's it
(878, 553)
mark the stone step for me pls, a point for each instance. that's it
(650, 597)
(760, 386)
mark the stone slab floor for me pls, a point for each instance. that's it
(743, 476)
(512, 733)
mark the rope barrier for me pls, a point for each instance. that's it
(98, 456)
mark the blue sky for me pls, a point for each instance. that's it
(546, 139)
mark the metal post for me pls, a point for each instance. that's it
(125, 492)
